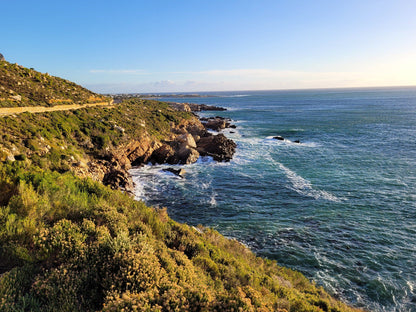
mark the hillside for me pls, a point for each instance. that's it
(69, 243)
(20, 86)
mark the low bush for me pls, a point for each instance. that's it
(73, 244)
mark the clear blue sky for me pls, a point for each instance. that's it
(201, 45)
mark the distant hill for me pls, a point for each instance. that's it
(20, 86)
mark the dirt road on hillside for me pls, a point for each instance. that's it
(4, 111)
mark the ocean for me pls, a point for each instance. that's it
(340, 207)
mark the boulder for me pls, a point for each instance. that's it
(139, 151)
(2, 57)
(192, 126)
(178, 172)
(164, 154)
(186, 155)
(119, 179)
(216, 124)
(296, 141)
(5, 155)
(186, 140)
(217, 146)
(16, 98)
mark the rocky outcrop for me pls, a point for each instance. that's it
(182, 107)
(193, 107)
(163, 155)
(181, 150)
(118, 179)
(217, 123)
(188, 140)
(2, 57)
(217, 146)
(203, 107)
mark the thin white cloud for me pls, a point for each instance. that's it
(251, 79)
(119, 71)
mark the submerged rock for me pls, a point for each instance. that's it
(279, 138)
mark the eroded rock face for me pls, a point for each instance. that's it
(216, 123)
(182, 150)
(217, 146)
(2, 57)
(186, 155)
(138, 151)
(187, 141)
(192, 126)
(164, 154)
(119, 179)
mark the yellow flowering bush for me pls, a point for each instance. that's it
(71, 244)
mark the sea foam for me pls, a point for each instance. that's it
(304, 187)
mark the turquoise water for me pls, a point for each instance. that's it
(340, 207)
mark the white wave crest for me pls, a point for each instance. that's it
(304, 187)
(212, 200)
(139, 193)
(205, 160)
(287, 142)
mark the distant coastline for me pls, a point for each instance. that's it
(123, 96)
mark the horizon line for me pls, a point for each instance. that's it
(257, 90)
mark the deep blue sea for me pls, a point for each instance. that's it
(340, 207)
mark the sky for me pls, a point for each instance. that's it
(214, 45)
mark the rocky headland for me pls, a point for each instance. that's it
(186, 142)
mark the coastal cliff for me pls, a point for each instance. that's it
(104, 143)
(70, 243)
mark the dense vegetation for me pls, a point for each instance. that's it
(20, 86)
(71, 244)
(56, 140)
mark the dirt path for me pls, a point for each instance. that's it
(4, 111)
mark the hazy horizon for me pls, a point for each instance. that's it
(196, 92)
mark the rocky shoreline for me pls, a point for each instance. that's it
(188, 140)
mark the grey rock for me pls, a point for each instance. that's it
(2, 57)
